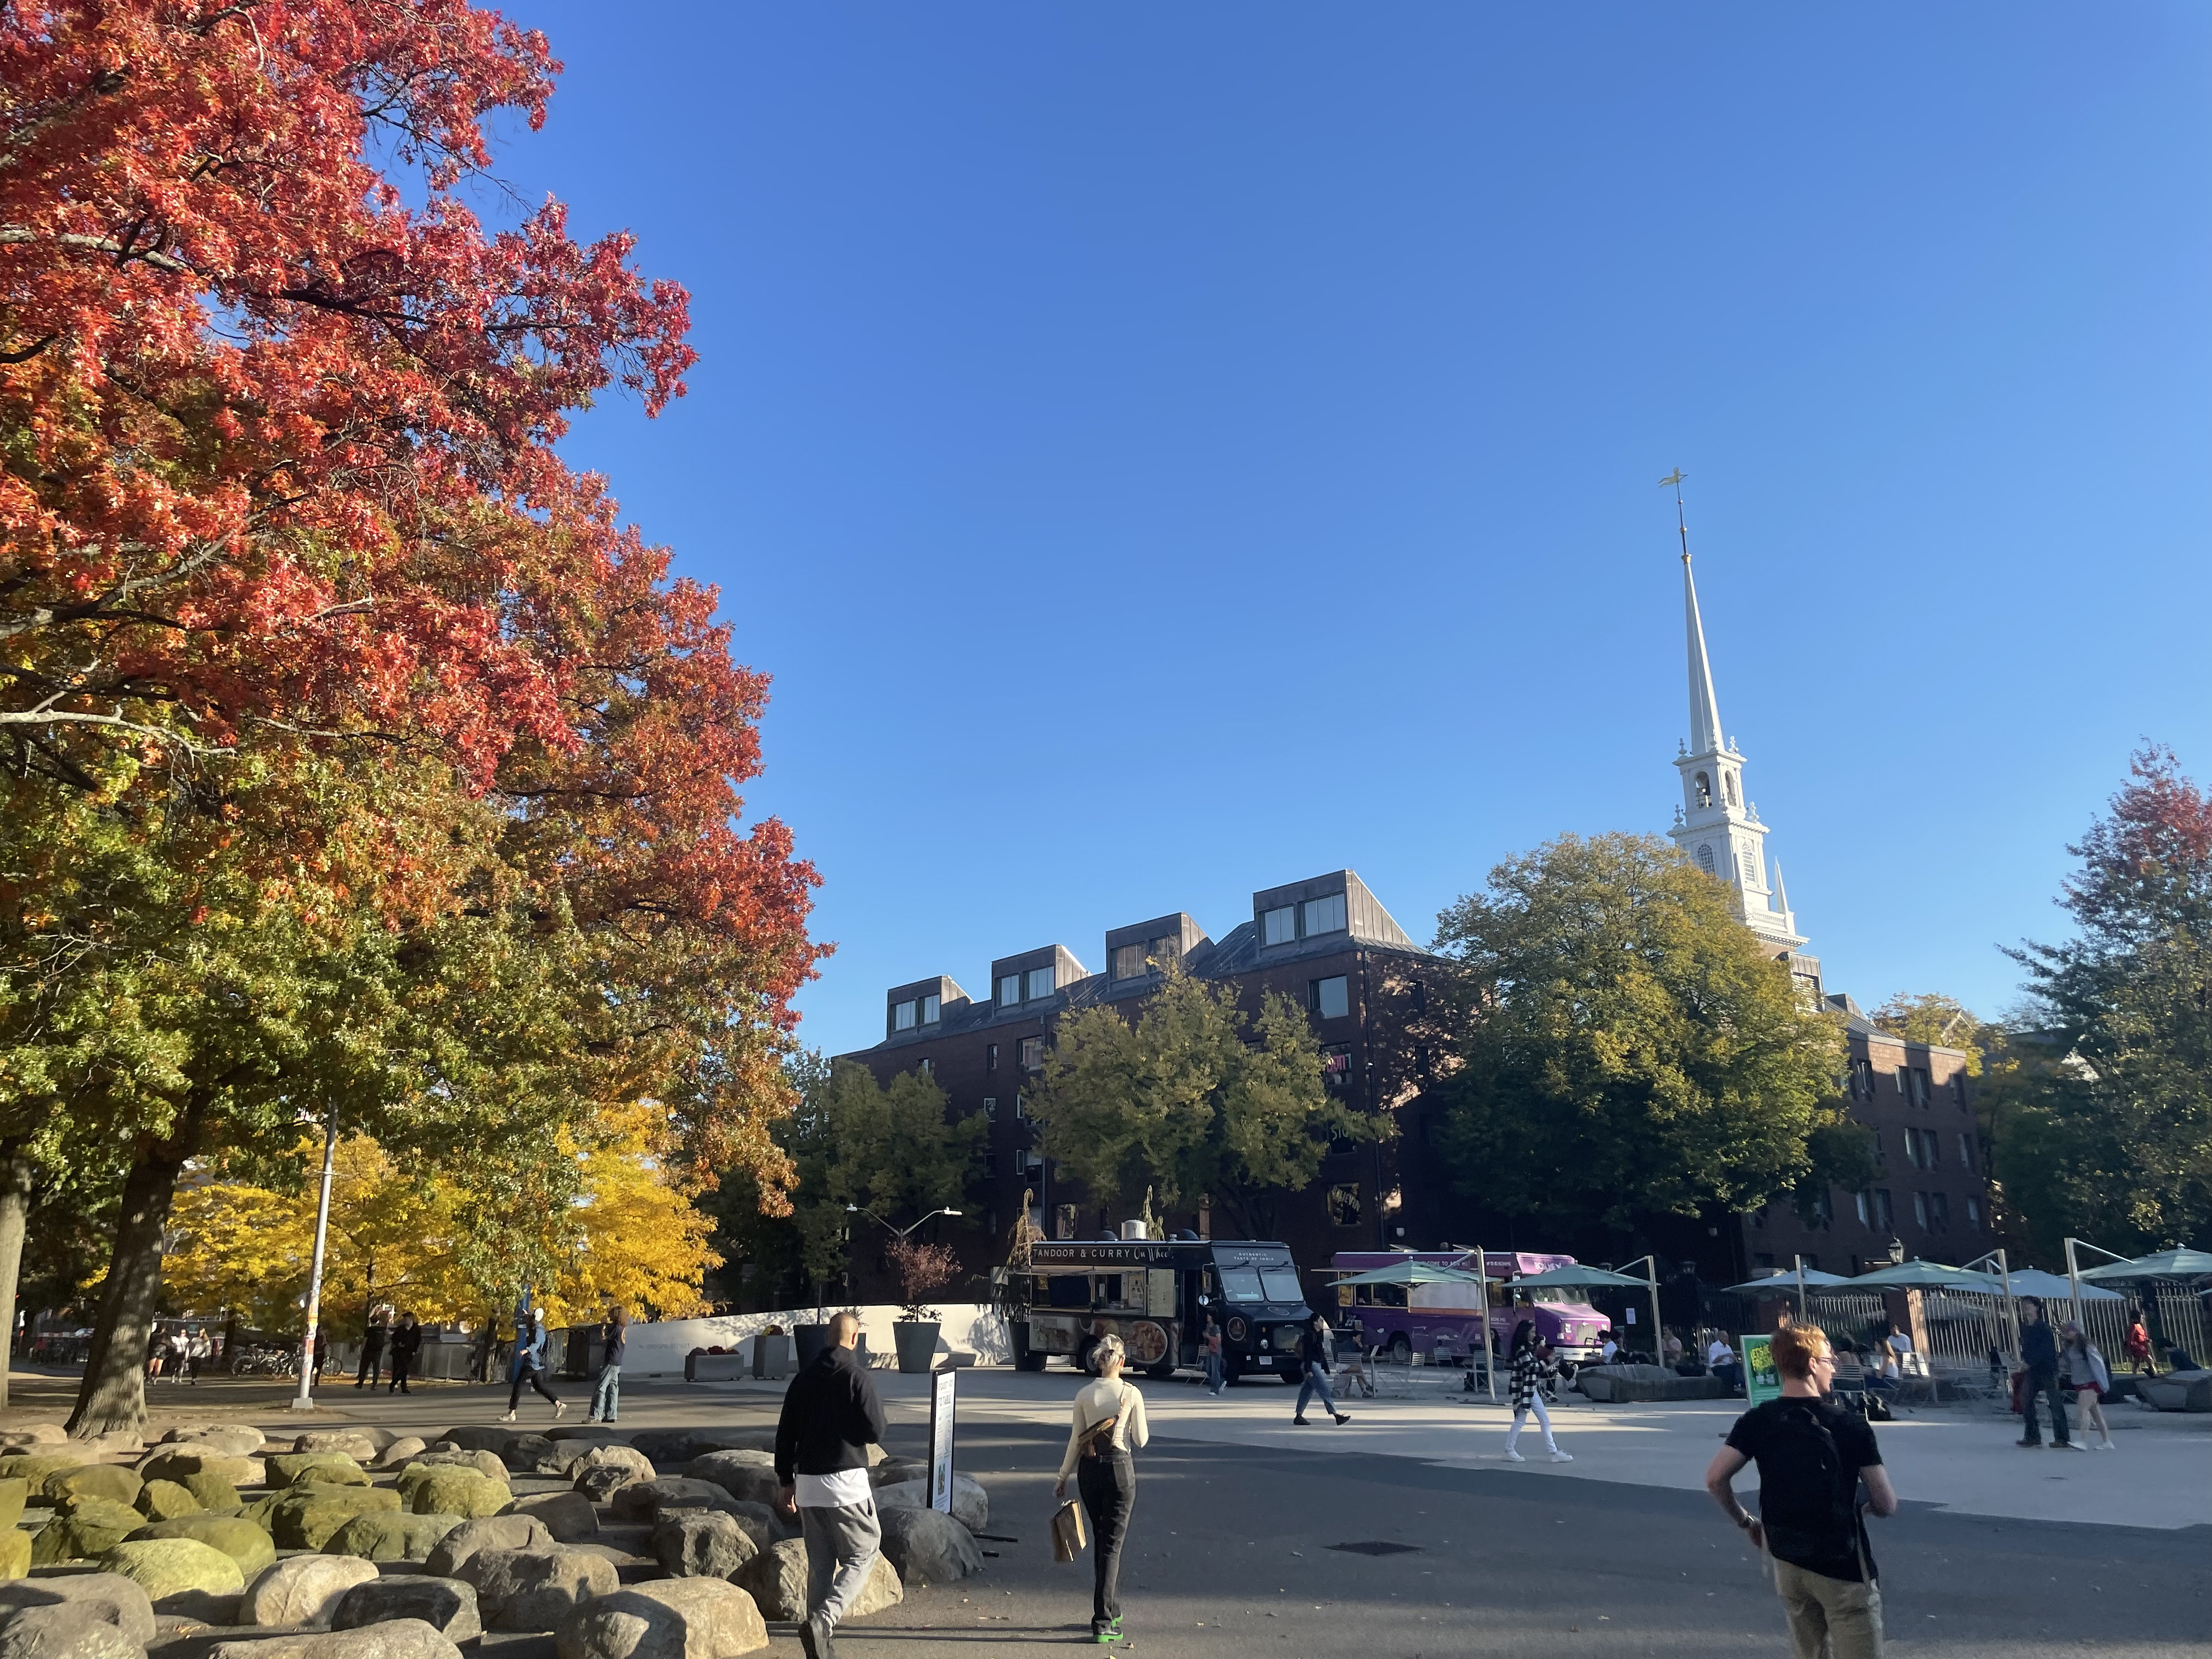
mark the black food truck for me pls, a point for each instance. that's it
(1155, 1294)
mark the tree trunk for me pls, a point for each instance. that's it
(113, 1393)
(14, 1205)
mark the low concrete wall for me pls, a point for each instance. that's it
(659, 1349)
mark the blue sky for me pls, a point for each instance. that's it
(1160, 452)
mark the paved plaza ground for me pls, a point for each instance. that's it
(1241, 1517)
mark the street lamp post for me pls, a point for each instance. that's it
(902, 1232)
(305, 1400)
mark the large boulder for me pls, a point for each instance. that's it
(648, 1500)
(359, 1445)
(764, 1523)
(667, 1447)
(893, 1470)
(487, 1464)
(401, 1452)
(682, 1618)
(454, 1492)
(165, 1500)
(14, 1553)
(971, 1507)
(928, 1548)
(748, 1476)
(560, 1458)
(105, 1595)
(478, 1439)
(776, 1580)
(447, 1606)
(238, 1439)
(535, 1589)
(14, 1494)
(388, 1537)
(109, 1481)
(241, 1540)
(496, 1532)
(179, 1463)
(35, 1434)
(180, 1575)
(568, 1515)
(616, 1455)
(600, 1482)
(302, 1590)
(700, 1544)
(209, 1490)
(35, 1467)
(522, 1451)
(398, 1638)
(305, 1518)
(324, 1468)
(91, 1528)
(63, 1633)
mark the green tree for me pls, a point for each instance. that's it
(1626, 1045)
(1943, 1022)
(1190, 1097)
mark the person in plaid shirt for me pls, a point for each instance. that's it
(1530, 1368)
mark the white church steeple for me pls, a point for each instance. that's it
(1716, 825)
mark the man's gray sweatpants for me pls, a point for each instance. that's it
(841, 1550)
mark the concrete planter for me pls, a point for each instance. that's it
(916, 1339)
(809, 1340)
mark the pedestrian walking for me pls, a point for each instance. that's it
(1106, 1427)
(1813, 1455)
(197, 1348)
(831, 1416)
(407, 1344)
(322, 1353)
(2039, 1351)
(2084, 1373)
(1529, 1366)
(372, 1349)
(1316, 1359)
(2138, 1347)
(614, 1337)
(530, 1366)
(1215, 1381)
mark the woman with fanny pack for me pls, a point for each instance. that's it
(1109, 1425)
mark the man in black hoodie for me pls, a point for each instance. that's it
(831, 1416)
(2039, 1351)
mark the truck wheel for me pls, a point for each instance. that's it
(1026, 1358)
(1081, 1358)
(1402, 1350)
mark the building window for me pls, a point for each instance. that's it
(990, 1056)
(1865, 1212)
(903, 1015)
(1922, 1095)
(1758, 1217)
(990, 1109)
(1965, 1151)
(1325, 915)
(1821, 1215)
(1885, 1216)
(931, 1010)
(1032, 1053)
(1424, 1061)
(1939, 1211)
(1331, 997)
(1336, 1065)
(1063, 1222)
(1750, 869)
(1010, 991)
(927, 1067)
(1704, 798)
(1128, 962)
(1706, 854)
(1344, 1205)
(1164, 951)
(1280, 926)
(1021, 1106)
(1040, 983)
(1903, 1083)
(1958, 1090)
(1419, 992)
(1861, 1079)
(1974, 1213)
(1763, 1260)
(1920, 1210)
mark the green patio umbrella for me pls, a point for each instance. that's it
(1927, 1276)
(1781, 1284)
(2164, 1264)
(1412, 1272)
(2053, 1287)
(1576, 1279)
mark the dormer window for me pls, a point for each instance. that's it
(1040, 983)
(1009, 990)
(1325, 915)
(903, 1015)
(1164, 951)
(1280, 926)
(931, 1010)
(1129, 962)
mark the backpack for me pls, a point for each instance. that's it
(1097, 1440)
(1807, 1517)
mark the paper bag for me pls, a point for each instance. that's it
(1067, 1538)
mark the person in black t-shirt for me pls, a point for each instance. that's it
(1812, 1455)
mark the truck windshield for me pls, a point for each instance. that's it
(1260, 1284)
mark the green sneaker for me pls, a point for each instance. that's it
(1111, 1633)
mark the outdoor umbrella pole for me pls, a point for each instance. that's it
(1489, 1346)
(1801, 1290)
(305, 1400)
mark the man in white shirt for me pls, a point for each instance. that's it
(831, 1416)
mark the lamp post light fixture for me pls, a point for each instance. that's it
(902, 1232)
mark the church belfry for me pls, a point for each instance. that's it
(1717, 825)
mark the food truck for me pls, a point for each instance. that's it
(1443, 1322)
(1154, 1294)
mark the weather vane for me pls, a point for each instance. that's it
(1674, 481)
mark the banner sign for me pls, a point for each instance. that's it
(944, 1399)
(1761, 1382)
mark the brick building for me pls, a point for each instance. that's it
(1326, 943)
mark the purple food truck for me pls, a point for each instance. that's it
(1443, 1321)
